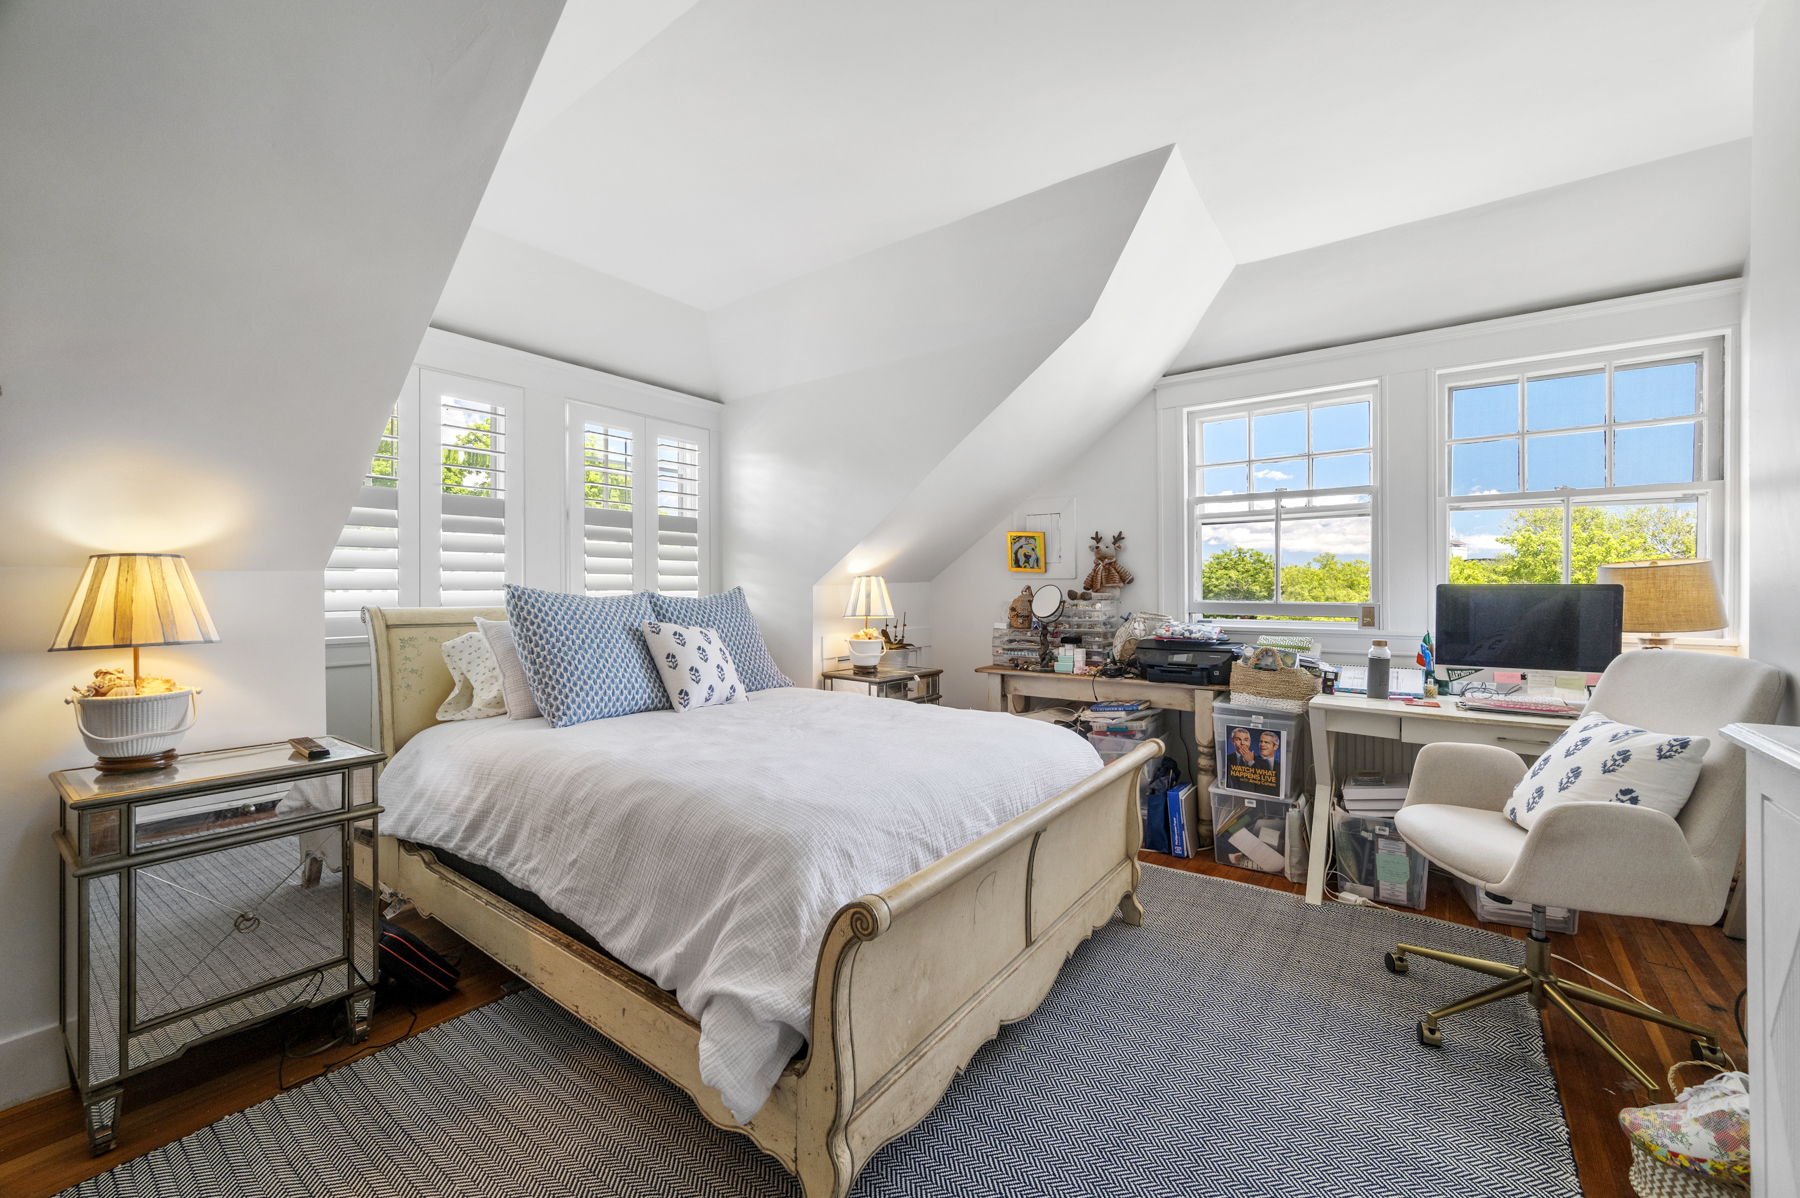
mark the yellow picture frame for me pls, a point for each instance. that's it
(1025, 553)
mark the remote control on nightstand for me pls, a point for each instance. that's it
(309, 748)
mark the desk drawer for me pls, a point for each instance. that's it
(1364, 723)
(1525, 740)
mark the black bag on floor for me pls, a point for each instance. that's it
(414, 967)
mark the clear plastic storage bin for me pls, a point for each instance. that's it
(1258, 832)
(1374, 861)
(1258, 751)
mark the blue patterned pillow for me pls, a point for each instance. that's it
(1602, 761)
(730, 614)
(583, 656)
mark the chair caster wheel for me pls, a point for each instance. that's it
(1712, 1054)
(1429, 1035)
(1396, 963)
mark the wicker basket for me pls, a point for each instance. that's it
(1289, 683)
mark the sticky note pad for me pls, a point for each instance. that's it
(1508, 677)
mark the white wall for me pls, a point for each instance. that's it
(868, 404)
(224, 227)
(1664, 224)
(513, 294)
(1772, 344)
(1113, 484)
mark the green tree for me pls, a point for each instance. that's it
(1243, 574)
(1327, 578)
(1533, 542)
(470, 462)
(602, 487)
(383, 468)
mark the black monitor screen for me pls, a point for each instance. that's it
(1530, 626)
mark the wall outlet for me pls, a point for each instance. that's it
(1367, 618)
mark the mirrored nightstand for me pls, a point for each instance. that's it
(209, 896)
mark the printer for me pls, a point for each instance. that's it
(1195, 663)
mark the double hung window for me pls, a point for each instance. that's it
(1555, 468)
(1281, 506)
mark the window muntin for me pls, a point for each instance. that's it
(1281, 507)
(1552, 469)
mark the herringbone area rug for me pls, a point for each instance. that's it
(1239, 1043)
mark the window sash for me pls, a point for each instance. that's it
(664, 535)
(1204, 511)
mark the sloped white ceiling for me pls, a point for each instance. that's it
(752, 142)
(224, 228)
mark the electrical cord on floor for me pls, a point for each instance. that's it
(1737, 1014)
(362, 1050)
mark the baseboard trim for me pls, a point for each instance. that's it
(32, 1065)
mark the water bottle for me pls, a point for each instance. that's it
(1379, 659)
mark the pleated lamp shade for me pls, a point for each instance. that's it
(130, 599)
(869, 599)
(1676, 595)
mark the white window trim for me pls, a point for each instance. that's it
(1406, 367)
(1368, 390)
(538, 511)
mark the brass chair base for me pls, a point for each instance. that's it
(1547, 989)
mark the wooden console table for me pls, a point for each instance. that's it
(1006, 685)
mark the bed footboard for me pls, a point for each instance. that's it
(912, 981)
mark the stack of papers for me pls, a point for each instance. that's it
(1375, 796)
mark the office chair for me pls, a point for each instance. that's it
(1602, 857)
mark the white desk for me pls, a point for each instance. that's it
(1391, 719)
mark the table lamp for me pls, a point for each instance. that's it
(1661, 597)
(868, 599)
(128, 600)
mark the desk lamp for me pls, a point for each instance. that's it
(1661, 597)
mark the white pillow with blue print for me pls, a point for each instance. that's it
(696, 667)
(729, 615)
(582, 654)
(1603, 761)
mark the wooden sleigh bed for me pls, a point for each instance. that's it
(910, 982)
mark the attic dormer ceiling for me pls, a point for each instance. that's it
(710, 151)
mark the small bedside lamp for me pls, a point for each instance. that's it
(868, 599)
(128, 600)
(1661, 597)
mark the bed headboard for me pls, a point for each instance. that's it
(408, 668)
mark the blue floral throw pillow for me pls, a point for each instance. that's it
(729, 614)
(1602, 761)
(696, 667)
(583, 656)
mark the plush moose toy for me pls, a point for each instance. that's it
(1107, 574)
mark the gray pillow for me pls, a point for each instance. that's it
(519, 703)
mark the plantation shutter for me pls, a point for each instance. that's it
(474, 454)
(677, 515)
(364, 568)
(607, 530)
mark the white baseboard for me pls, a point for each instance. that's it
(32, 1064)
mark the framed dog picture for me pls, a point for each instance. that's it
(1025, 552)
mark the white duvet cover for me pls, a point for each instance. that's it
(709, 849)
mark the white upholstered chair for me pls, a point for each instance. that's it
(1602, 857)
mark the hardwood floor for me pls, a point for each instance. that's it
(1694, 972)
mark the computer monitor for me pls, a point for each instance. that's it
(1530, 626)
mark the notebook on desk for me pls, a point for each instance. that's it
(1402, 683)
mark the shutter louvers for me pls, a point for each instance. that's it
(364, 569)
(607, 534)
(677, 516)
(472, 521)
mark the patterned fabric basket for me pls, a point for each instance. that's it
(1651, 1178)
(1697, 1146)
